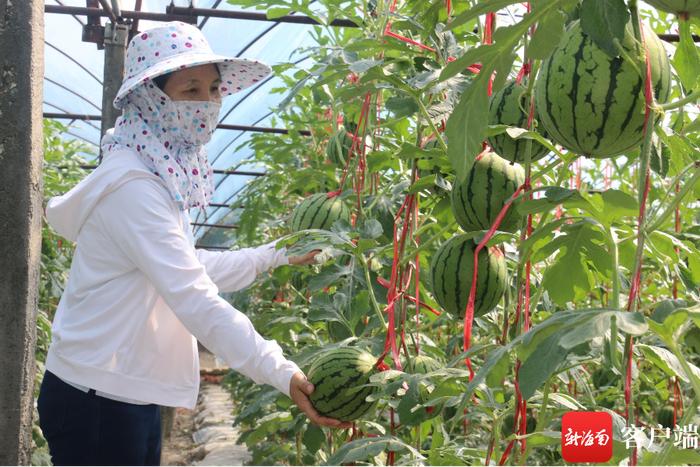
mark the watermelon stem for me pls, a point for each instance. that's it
(434, 129)
(373, 298)
(691, 97)
(670, 209)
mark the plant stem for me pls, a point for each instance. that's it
(614, 302)
(426, 115)
(542, 416)
(643, 171)
(370, 289)
(691, 97)
(670, 209)
(426, 244)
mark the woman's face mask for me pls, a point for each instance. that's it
(194, 93)
(197, 120)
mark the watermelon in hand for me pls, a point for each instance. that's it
(338, 376)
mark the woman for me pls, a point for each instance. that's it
(139, 294)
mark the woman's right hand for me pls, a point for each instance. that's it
(299, 390)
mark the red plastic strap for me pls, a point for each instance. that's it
(469, 313)
(636, 281)
(677, 401)
(388, 32)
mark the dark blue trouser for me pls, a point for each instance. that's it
(83, 428)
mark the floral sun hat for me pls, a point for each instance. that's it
(177, 45)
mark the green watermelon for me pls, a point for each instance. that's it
(665, 416)
(510, 106)
(593, 104)
(489, 183)
(338, 375)
(423, 364)
(339, 145)
(318, 212)
(679, 7)
(451, 274)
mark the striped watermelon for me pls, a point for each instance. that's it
(489, 183)
(338, 376)
(451, 273)
(510, 106)
(690, 7)
(339, 145)
(593, 104)
(664, 416)
(318, 212)
(421, 365)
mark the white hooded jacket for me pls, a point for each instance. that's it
(139, 294)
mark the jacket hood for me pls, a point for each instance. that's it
(67, 213)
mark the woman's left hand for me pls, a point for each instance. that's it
(308, 258)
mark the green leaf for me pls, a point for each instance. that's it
(313, 438)
(402, 106)
(568, 278)
(540, 365)
(604, 21)
(371, 229)
(666, 361)
(366, 448)
(686, 60)
(423, 183)
(547, 35)
(616, 205)
(479, 9)
(466, 126)
(277, 12)
(547, 345)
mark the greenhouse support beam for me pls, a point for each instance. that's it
(190, 15)
(218, 226)
(247, 15)
(115, 42)
(221, 126)
(21, 141)
(247, 173)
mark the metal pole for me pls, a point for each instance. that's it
(21, 193)
(190, 15)
(220, 126)
(116, 39)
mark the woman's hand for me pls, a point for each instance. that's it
(300, 389)
(308, 258)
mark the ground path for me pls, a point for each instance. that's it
(205, 435)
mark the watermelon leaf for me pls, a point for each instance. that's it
(547, 35)
(686, 60)
(604, 21)
(366, 448)
(569, 277)
(313, 438)
(666, 361)
(277, 12)
(481, 8)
